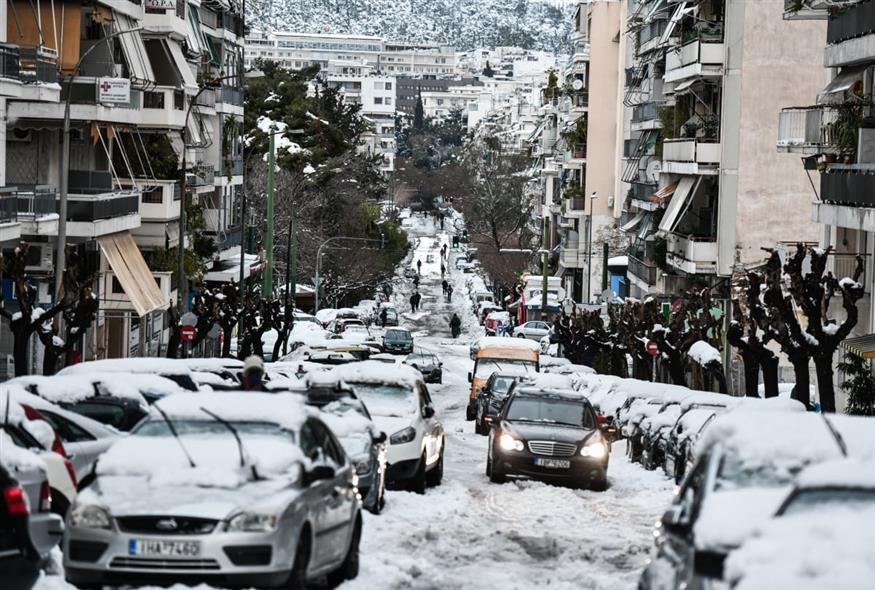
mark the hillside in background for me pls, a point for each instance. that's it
(463, 24)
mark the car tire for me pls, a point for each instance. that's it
(417, 484)
(495, 475)
(521, 335)
(60, 504)
(380, 499)
(600, 484)
(434, 477)
(349, 569)
(478, 427)
(298, 576)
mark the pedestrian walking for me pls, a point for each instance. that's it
(418, 300)
(442, 222)
(416, 281)
(444, 285)
(419, 266)
(443, 269)
(383, 317)
(413, 302)
(455, 326)
(449, 293)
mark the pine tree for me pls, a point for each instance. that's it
(418, 113)
(859, 384)
(488, 71)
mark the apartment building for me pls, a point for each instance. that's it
(134, 75)
(705, 188)
(299, 50)
(835, 137)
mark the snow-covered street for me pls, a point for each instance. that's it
(470, 533)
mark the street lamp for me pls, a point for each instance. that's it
(60, 247)
(592, 199)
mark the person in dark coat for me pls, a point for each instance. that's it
(444, 285)
(413, 302)
(449, 293)
(455, 325)
(419, 266)
(383, 316)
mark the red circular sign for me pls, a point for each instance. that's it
(652, 348)
(187, 333)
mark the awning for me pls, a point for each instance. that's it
(132, 272)
(675, 19)
(681, 87)
(193, 131)
(182, 65)
(844, 81)
(645, 230)
(133, 48)
(861, 346)
(685, 189)
(632, 223)
(665, 192)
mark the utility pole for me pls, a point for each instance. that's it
(291, 277)
(267, 284)
(592, 199)
(545, 262)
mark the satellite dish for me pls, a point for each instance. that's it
(577, 84)
(653, 170)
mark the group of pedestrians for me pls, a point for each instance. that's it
(448, 290)
(415, 299)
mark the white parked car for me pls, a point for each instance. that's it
(532, 330)
(399, 403)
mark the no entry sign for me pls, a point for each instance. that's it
(652, 348)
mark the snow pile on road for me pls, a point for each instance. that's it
(808, 551)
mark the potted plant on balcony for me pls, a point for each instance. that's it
(576, 138)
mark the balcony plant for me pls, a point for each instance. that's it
(845, 129)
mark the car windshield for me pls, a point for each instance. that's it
(551, 411)
(158, 427)
(421, 358)
(341, 407)
(486, 367)
(398, 335)
(387, 400)
(319, 396)
(817, 499)
(108, 412)
(737, 473)
(501, 385)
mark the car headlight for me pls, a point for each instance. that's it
(509, 443)
(89, 517)
(403, 436)
(253, 522)
(363, 467)
(594, 450)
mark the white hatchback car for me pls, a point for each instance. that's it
(399, 403)
(532, 330)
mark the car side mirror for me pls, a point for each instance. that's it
(602, 420)
(380, 438)
(318, 473)
(470, 377)
(674, 520)
(428, 412)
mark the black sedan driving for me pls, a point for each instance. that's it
(550, 435)
(428, 364)
(490, 400)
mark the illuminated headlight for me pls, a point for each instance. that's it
(403, 436)
(89, 517)
(596, 450)
(509, 443)
(252, 522)
(363, 467)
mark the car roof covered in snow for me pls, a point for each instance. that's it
(538, 391)
(851, 473)
(70, 389)
(286, 410)
(213, 364)
(377, 372)
(554, 361)
(129, 365)
(505, 342)
(547, 381)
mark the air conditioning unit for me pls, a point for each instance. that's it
(40, 258)
(22, 135)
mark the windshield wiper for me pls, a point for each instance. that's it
(233, 431)
(840, 441)
(175, 435)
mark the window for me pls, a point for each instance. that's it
(378, 100)
(388, 86)
(387, 101)
(67, 430)
(154, 195)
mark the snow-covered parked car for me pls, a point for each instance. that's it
(682, 438)
(232, 489)
(534, 330)
(398, 401)
(747, 461)
(365, 444)
(815, 539)
(173, 369)
(426, 363)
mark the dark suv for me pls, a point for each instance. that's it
(398, 340)
(490, 400)
(551, 435)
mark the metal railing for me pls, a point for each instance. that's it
(852, 184)
(121, 203)
(207, 98)
(232, 166)
(37, 200)
(10, 61)
(644, 271)
(853, 21)
(8, 205)
(232, 96)
(844, 265)
(644, 112)
(202, 175)
(807, 127)
(38, 64)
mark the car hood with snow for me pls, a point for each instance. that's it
(728, 517)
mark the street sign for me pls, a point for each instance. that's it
(113, 90)
(652, 348)
(214, 332)
(160, 4)
(187, 333)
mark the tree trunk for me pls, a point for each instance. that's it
(50, 360)
(825, 389)
(20, 338)
(676, 369)
(770, 375)
(226, 340)
(173, 343)
(751, 374)
(802, 389)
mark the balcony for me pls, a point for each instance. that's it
(164, 107)
(231, 167)
(84, 105)
(850, 35)
(159, 199)
(36, 201)
(201, 175)
(230, 96)
(690, 156)
(806, 9)
(807, 130)
(650, 35)
(207, 98)
(10, 62)
(851, 185)
(692, 255)
(645, 116)
(38, 64)
(642, 271)
(697, 58)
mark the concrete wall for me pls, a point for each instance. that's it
(781, 67)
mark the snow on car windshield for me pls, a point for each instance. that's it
(486, 367)
(552, 411)
(736, 472)
(387, 400)
(817, 499)
(158, 427)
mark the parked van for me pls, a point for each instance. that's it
(511, 356)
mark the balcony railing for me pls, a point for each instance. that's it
(232, 166)
(207, 98)
(852, 185)
(691, 150)
(232, 96)
(853, 21)
(844, 265)
(642, 270)
(117, 204)
(10, 61)
(706, 53)
(8, 205)
(38, 64)
(202, 175)
(645, 112)
(692, 254)
(36, 201)
(808, 127)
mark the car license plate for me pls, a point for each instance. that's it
(158, 548)
(553, 463)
